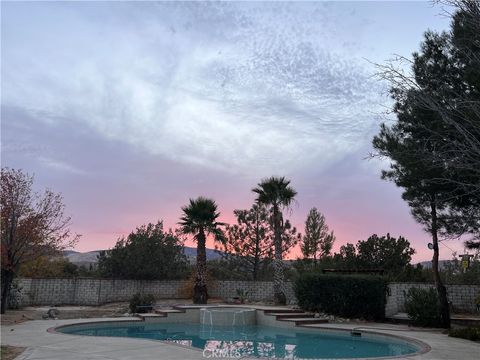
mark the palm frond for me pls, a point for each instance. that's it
(200, 215)
(275, 191)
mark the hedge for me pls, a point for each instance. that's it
(351, 296)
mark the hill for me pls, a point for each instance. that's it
(91, 257)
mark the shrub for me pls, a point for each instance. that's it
(423, 307)
(141, 300)
(469, 333)
(15, 295)
(343, 295)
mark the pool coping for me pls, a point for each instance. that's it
(422, 346)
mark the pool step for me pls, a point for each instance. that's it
(310, 321)
(168, 311)
(161, 313)
(293, 316)
(298, 317)
(282, 311)
(305, 320)
(150, 316)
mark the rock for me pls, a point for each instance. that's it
(51, 314)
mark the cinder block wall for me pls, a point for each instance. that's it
(257, 290)
(462, 297)
(82, 291)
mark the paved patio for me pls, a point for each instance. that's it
(54, 346)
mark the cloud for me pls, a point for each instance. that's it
(240, 88)
(60, 165)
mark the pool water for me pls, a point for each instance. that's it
(255, 340)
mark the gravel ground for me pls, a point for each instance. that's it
(65, 312)
(10, 352)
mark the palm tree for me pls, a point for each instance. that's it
(276, 193)
(200, 219)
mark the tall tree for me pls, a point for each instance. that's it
(393, 255)
(318, 239)
(32, 225)
(148, 253)
(384, 252)
(276, 193)
(248, 242)
(431, 142)
(346, 258)
(200, 219)
(445, 83)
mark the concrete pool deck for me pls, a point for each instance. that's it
(45, 345)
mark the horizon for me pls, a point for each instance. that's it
(130, 109)
(194, 248)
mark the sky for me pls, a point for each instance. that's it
(131, 108)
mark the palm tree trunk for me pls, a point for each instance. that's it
(278, 276)
(441, 290)
(256, 259)
(200, 294)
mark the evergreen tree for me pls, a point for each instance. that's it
(248, 244)
(384, 252)
(438, 126)
(318, 239)
(148, 253)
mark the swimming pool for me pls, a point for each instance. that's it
(254, 340)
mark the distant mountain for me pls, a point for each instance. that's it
(79, 258)
(91, 257)
(191, 254)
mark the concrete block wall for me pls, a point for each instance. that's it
(257, 291)
(100, 291)
(82, 291)
(462, 297)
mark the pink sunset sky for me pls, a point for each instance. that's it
(131, 108)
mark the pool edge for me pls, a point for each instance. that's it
(423, 346)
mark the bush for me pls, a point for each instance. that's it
(469, 333)
(141, 300)
(423, 307)
(343, 295)
(15, 295)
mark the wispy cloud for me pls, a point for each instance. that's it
(252, 90)
(60, 166)
(130, 108)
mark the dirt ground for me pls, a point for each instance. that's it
(10, 352)
(80, 312)
(65, 312)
